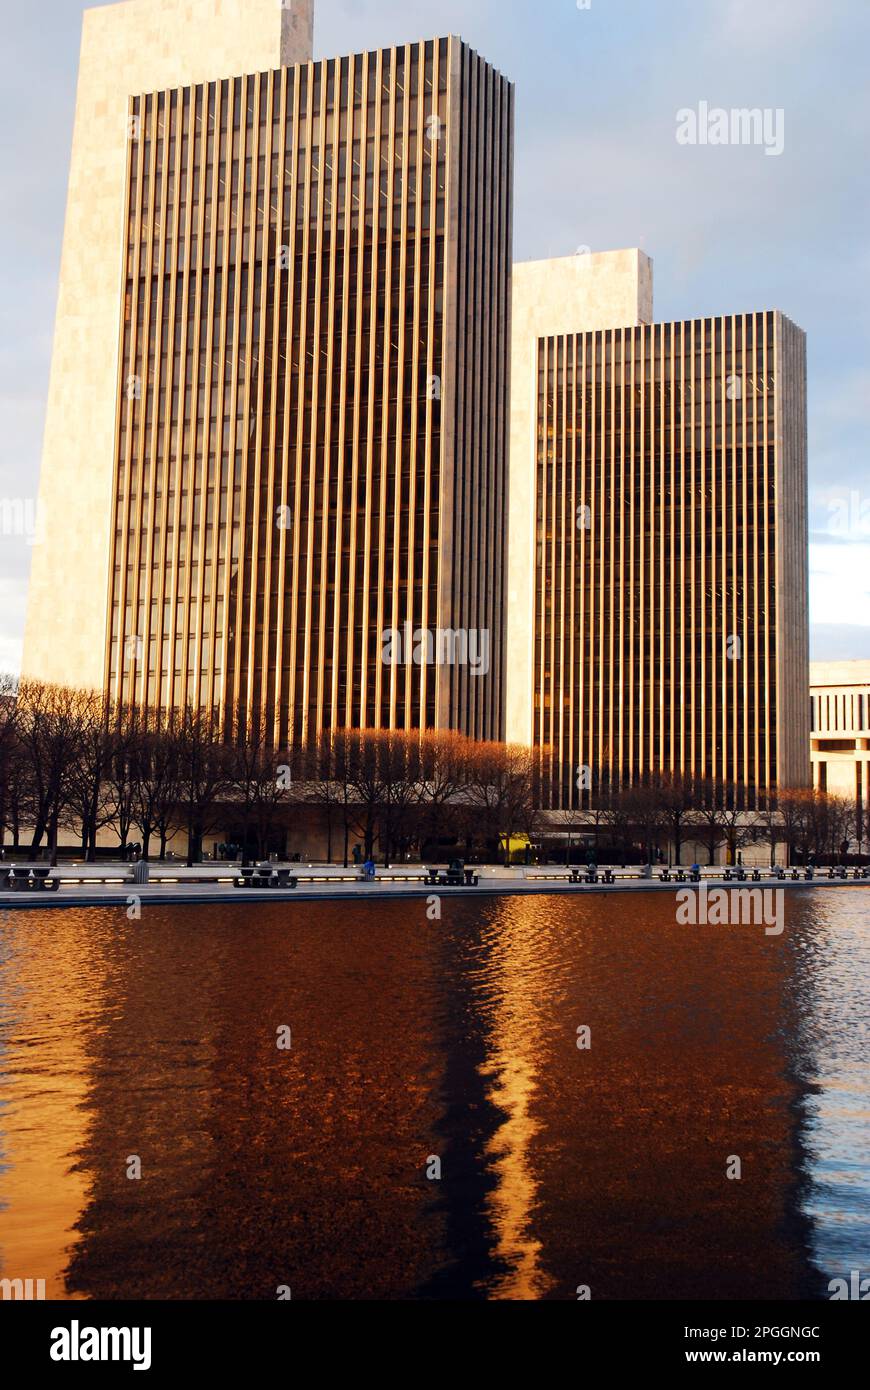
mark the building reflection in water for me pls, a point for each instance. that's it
(307, 1168)
(523, 975)
(608, 1168)
(830, 1044)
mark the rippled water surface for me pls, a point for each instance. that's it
(414, 1040)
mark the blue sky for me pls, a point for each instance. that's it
(597, 164)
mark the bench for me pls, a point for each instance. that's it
(34, 881)
(265, 878)
(451, 878)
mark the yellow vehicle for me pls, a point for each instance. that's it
(517, 849)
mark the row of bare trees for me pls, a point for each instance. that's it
(398, 791)
(666, 811)
(818, 825)
(70, 762)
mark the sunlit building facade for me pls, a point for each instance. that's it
(287, 399)
(312, 406)
(126, 49)
(670, 628)
(840, 704)
(568, 295)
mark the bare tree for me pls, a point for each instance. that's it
(815, 823)
(342, 754)
(737, 830)
(501, 792)
(154, 777)
(792, 804)
(770, 824)
(50, 734)
(643, 808)
(708, 819)
(403, 789)
(832, 820)
(202, 774)
(445, 764)
(9, 750)
(602, 802)
(259, 779)
(89, 802)
(617, 813)
(323, 768)
(678, 798)
(129, 735)
(365, 785)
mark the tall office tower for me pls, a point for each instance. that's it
(670, 629)
(126, 49)
(311, 402)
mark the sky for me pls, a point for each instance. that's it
(730, 227)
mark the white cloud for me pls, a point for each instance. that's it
(840, 584)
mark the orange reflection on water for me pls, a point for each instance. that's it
(44, 1076)
(412, 1038)
(514, 960)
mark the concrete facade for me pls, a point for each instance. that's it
(574, 294)
(127, 49)
(311, 458)
(840, 703)
(670, 623)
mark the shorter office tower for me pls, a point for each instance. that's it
(840, 702)
(667, 617)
